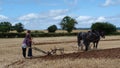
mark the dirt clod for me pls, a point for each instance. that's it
(106, 53)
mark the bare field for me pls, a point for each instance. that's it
(11, 57)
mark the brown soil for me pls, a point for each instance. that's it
(106, 53)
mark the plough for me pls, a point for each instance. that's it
(51, 52)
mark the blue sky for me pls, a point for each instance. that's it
(40, 14)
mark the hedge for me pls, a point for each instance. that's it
(22, 35)
(114, 33)
(12, 35)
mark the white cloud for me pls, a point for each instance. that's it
(83, 18)
(59, 17)
(54, 14)
(90, 19)
(100, 19)
(3, 18)
(111, 2)
(35, 21)
(45, 19)
(108, 2)
(29, 17)
(86, 21)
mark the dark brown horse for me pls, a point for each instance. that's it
(88, 37)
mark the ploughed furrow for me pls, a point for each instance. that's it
(105, 53)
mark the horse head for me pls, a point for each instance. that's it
(102, 33)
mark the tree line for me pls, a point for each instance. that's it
(67, 23)
(6, 27)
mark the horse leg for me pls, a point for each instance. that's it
(96, 45)
(80, 45)
(79, 42)
(86, 45)
(90, 46)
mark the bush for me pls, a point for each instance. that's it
(19, 27)
(52, 28)
(105, 26)
(5, 27)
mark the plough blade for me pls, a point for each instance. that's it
(37, 49)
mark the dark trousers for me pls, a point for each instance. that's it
(29, 51)
(24, 52)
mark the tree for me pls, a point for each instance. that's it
(19, 27)
(106, 26)
(68, 23)
(5, 26)
(52, 28)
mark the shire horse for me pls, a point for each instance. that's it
(88, 37)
